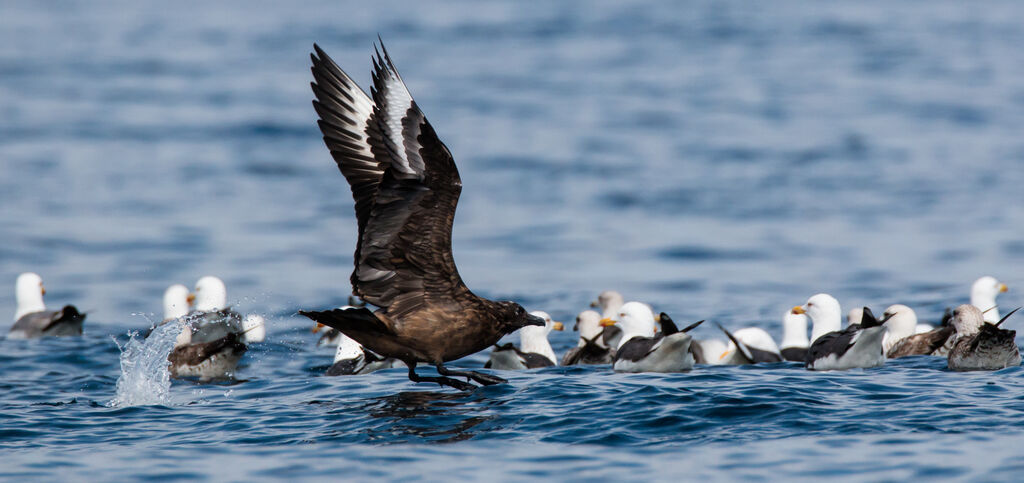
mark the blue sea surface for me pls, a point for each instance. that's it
(719, 160)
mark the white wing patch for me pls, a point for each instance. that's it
(394, 104)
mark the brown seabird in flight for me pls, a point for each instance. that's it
(405, 186)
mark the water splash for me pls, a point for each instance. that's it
(145, 379)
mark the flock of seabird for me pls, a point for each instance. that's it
(411, 307)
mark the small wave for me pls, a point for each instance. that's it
(145, 379)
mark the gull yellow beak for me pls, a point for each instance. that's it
(318, 327)
(607, 322)
(558, 326)
(42, 289)
(723, 355)
(191, 299)
(1003, 287)
(799, 310)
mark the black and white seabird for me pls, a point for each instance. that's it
(859, 345)
(750, 345)
(641, 350)
(902, 339)
(534, 351)
(824, 312)
(212, 340)
(979, 345)
(794, 337)
(406, 187)
(983, 296)
(33, 320)
(351, 358)
(591, 348)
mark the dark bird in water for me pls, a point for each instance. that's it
(33, 320)
(979, 345)
(591, 348)
(859, 345)
(406, 187)
(901, 341)
(641, 350)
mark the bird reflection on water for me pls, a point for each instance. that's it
(432, 417)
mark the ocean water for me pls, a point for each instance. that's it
(719, 160)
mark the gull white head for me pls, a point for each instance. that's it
(348, 348)
(635, 319)
(588, 323)
(825, 314)
(855, 316)
(609, 302)
(967, 320)
(983, 296)
(534, 338)
(176, 302)
(210, 294)
(901, 324)
(29, 291)
(794, 330)
(254, 328)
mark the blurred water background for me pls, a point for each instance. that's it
(720, 160)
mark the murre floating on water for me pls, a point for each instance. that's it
(591, 348)
(351, 358)
(859, 345)
(749, 345)
(641, 350)
(902, 340)
(983, 296)
(406, 187)
(534, 351)
(794, 337)
(979, 345)
(31, 319)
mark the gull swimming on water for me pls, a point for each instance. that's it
(901, 338)
(591, 348)
(351, 358)
(859, 345)
(212, 340)
(749, 345)
(642, 351)
(406, 187)
(33, 320)
(979, 345)
(534, 350)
